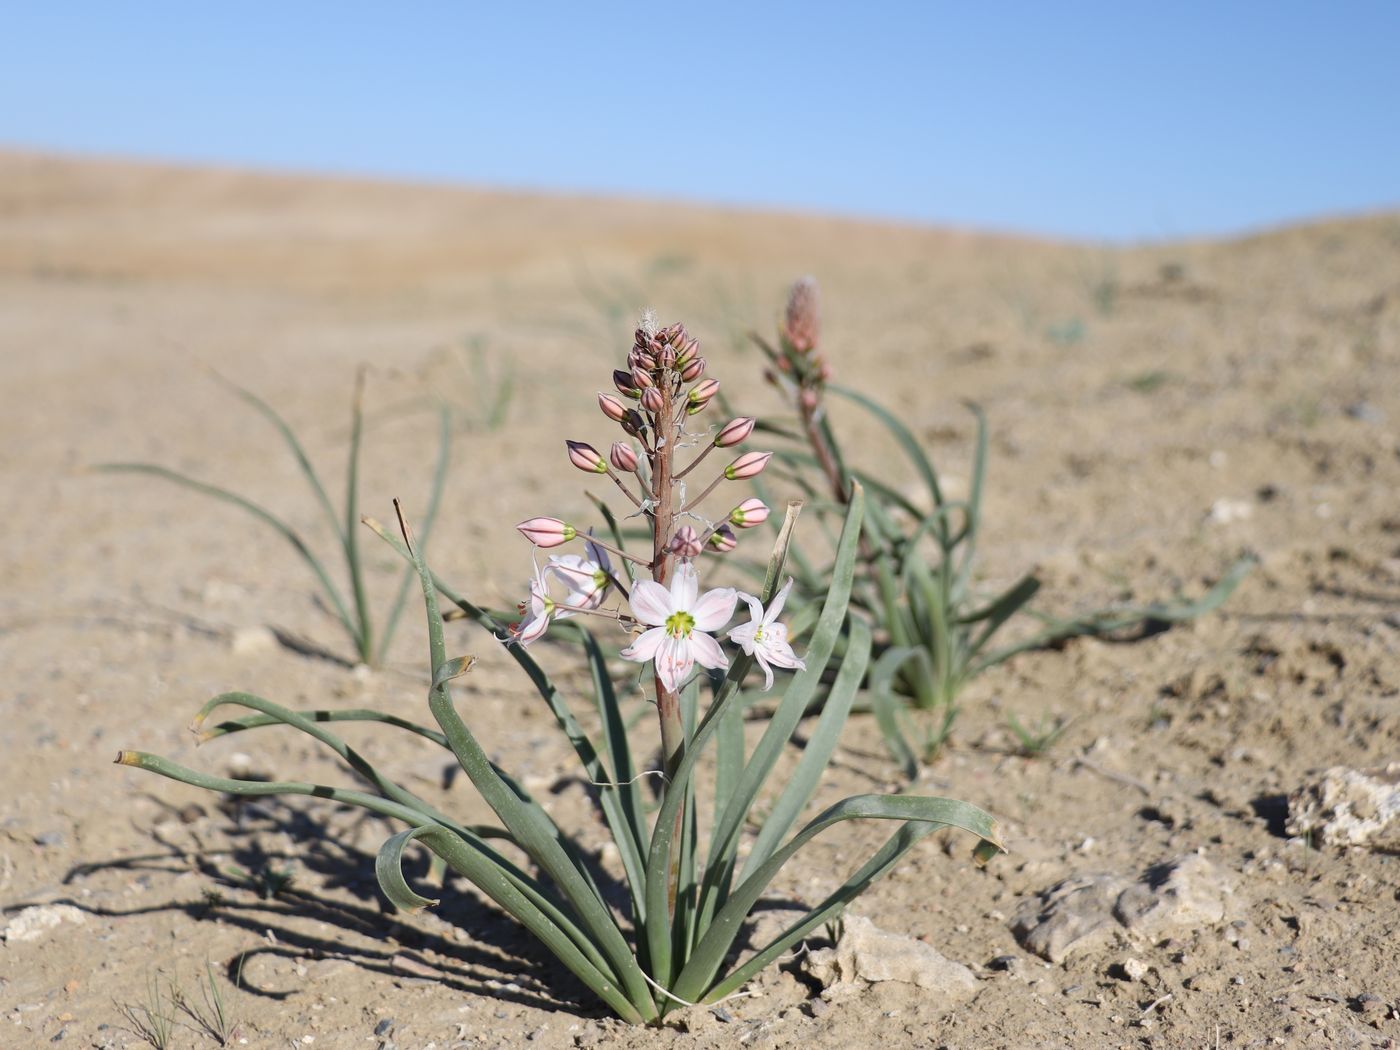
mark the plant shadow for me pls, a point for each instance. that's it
(256, 884)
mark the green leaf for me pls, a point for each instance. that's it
(695, 980)
(887, 707)
(818, 750)
(903, 436)
(388, 869)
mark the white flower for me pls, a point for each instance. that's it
(680, 620)
(534, 613)
(763, 637)
(586, 576)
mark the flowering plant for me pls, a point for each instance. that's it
(688, 901)
(914, 578)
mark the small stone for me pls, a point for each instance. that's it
(49, 838)
(866, 954)
(252, 641)
(384, 1027)
(1227, 511)
(817, 1007)
(1349, 807)
(1369, 1003)
(31, 924)
(1134, 969)
(722, 1013)
(1009, 963)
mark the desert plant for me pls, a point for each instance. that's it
(210, 1013)
(344, 522)
(688, 897)
(915, 577)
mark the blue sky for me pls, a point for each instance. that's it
(1120, 121)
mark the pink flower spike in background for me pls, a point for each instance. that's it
(764, 638)
(680, 622)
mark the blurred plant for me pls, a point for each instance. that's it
(914, 581)
(343, 522)
(688, 904)
(1035, 742)
(491, 388)
(210, 1014)
(153, 1020)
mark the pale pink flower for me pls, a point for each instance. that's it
(749, 465)
(764, 638)
(585, 457)
(535, 613)
(723, 540)
(612, 407)
(680, 621)
(753, 511)
(587, 576)
(686, 542)
(735, 431)
(547, 532)
(623, 456)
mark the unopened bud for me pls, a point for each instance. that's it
(640, 359)
(700, 395)
(749, 465)
(634, 423)
(586, 458)
(612, 407)
(751, 512)
(547, 532)
(688, 352)
(809, 399)
(735, 431)
(652, 400)
(686, 542)
(641, 378)
(802, 323)
(625, 386)
(693, 370)
(623, 456)
(722, 540)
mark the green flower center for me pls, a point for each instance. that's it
(600, 579)
(680, 624)
(758, 633)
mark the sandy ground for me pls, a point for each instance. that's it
(1156, 412)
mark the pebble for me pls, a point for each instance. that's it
(1369, 1003)
(1009, 963)
(384, 1027)
(49, 838)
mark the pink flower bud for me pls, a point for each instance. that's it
(634, 423)
(641, 378)
(700, 395)
(667, 357)
(751, 512)
(693, 370)
(547, 532)
(749, 465)
(802, 320)
(612, 407)
(652, 400)
(735, 431)
(586, 458)
(687, 352)
(703, 391)
(638, 358)
(623, 456)
(625, 386)
(722, 540)
(686, 542)
(808, 399)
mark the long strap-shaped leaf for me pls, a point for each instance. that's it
(817, 753)
(532, 829)
(699, 972)
(888, 707)
(493, 877)
(609, 790)
(885, 858)
(720, 863)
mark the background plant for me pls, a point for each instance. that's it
(935, 629)
(688, 891)
(344, 522)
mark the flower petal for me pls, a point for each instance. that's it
(715, 609)
(755, 606)
(780, 654)
(651, 603)
(674, 662)
(742, 636)
(644, 648)
(778, 600)
(530, 630)
(685, 585)
(767, 671)
(706, 651)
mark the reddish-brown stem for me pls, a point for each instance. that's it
(668, 702)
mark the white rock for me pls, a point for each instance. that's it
(250, 641)
(866, 954)
(1349, 807)
(33, 923)
(1224, 511)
